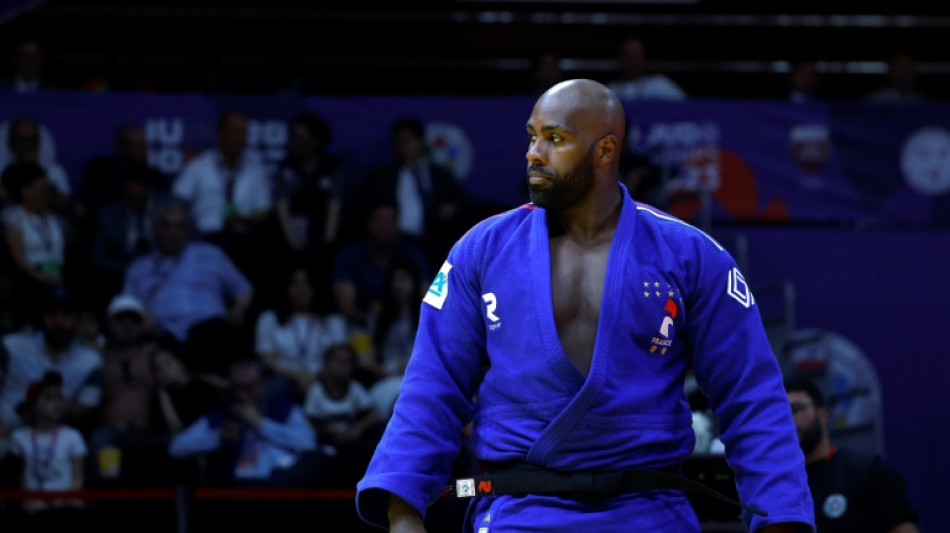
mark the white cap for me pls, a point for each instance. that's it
(125, 303)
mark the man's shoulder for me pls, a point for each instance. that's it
(671, 229)
(205, 251)
(20, 343)
(69, 432)
(141, 262)
(85, 356)
(852, 464)
(500, 224)
(201, 162)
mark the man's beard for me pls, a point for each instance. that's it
(811, 437)
(567, 190)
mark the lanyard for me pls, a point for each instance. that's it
(41, 461)
(43, 228)
(302, 341)
(229, 176)
(159, 276)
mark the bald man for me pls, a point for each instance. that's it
(562, 331)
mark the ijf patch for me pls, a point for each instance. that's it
(835, 506)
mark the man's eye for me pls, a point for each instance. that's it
(555, 138)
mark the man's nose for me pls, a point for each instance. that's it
(535, 155)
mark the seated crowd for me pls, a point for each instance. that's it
(224, 327)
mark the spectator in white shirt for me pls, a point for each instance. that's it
(291, 339)
(344, 414)
(35, 239)
(50, 454)
(25, 139)
(229, 191)
(55, 347)
(28, 65)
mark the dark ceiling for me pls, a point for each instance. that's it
(714, 49)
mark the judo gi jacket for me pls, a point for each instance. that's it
(487, 351)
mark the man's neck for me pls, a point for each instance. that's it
(44, 426)
(593, 220)
(232, 161)
(820, 453)
(56, 351)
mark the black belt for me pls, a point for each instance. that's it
(590, 486)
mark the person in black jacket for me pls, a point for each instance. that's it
(851, 491)
(432, 203)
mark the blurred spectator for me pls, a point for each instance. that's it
(359, 269)
(46, 151)
(124, 233)
(229, 191)
(431, 201)
(394, 334)
(394, 330)
(643, 177)
(35, 239)
(291, 339)
(901, 85)
(28, 64)
(51, 453)
(30, 355)
(24, 138)
(546, 72)
(127, 388)
(180, 397)
(344, 414)
(852, 491)
(105, 177)
(803, 82)
(250, 440)
(309, 188)
(88, 328)
(193, 291)
(635, 82)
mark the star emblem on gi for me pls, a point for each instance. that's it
(658, 289)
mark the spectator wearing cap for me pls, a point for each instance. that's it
(192, 291)
(49, 453)
(29, 355)
(127, 380)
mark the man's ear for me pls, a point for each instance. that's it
(823, 415)
(608, 149)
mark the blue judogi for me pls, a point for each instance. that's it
(488, 350)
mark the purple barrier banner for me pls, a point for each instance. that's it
(807, 162)
(773, 161)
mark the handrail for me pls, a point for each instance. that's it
(198, 493)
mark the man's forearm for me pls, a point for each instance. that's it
(404, 518)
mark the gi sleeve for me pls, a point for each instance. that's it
(415, 456)
(738, 372)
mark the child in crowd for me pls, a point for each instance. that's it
(51, 454)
